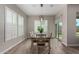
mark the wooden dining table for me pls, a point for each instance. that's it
(40, 42)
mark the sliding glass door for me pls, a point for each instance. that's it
(58, 29)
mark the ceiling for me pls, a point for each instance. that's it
(36, 9)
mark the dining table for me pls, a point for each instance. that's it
(40, 40)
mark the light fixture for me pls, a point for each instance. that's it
(41, 5)
(41, 17)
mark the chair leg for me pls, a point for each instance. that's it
(32, 47)
(49, 48)
(49, 51)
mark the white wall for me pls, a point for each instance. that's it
(5, 45)
(51, 23)
(71, 21)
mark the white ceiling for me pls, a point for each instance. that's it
(35, 9)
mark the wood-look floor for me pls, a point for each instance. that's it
(56, 48)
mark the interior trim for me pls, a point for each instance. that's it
(73, 44)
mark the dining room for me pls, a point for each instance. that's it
(39, 29)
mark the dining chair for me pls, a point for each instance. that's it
(44, 43)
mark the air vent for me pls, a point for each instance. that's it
(51, 5)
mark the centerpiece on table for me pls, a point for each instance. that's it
(40, 29)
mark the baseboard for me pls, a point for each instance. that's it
(73, 44)
(64, 44)
(11, 47)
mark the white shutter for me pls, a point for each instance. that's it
(10, 24)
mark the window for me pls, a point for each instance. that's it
(10, 24)
(60, 30)
(14, 24)
(20, 25)
(37, 23)
(77, 27)
(43, 23)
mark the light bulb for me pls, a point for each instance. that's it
(41, 19)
